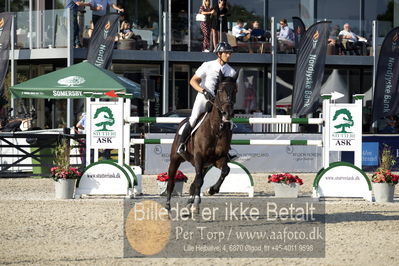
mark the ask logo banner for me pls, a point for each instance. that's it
(106, 123)
(345, 127)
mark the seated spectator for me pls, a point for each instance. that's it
(285, 37)
(350, 42)
(333, 48)
(154, 27)
(125, 32)
(392, 125)
(240, 32)
(257, 33)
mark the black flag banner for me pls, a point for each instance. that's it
(386, 91)
(299, 30)
(309, 69)
(5, 30)
(102, 41)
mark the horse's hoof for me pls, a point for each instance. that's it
(209, 192)
(167, 207)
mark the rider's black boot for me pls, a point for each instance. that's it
(183, 139)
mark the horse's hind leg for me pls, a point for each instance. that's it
(175, 161)
(222, 165)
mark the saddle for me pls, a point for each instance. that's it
(197, 124)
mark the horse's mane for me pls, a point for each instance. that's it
(228, 79)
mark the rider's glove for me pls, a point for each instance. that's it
(209, 96)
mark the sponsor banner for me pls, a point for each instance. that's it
(104, 178)
(225, 228)
(299, 31)
(346, 127)
(309, 69)
(256, 158)
(386, 92)
(106, 122)
(391, 140)
(370, 154)
(342, 179)
(103, 40)
(5, 29)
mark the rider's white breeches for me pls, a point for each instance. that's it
(198, 108)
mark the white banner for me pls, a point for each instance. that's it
(346, 127)
(106, 123)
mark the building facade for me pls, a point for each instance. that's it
(172, 50)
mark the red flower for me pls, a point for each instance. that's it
(163, 177)
(284, 178)
(384, 176)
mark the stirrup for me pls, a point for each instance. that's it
(231, 157)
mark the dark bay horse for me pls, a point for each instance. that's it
(209, 145)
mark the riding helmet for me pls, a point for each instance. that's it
(223, 47)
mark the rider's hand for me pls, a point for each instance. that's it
(208, 95)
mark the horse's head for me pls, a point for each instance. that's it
(226, 96)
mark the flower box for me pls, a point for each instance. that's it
(384, 182)
(163, 178)
(177, 190)
(383, 192)
(64, 188)
(285, 185)
(282, 190)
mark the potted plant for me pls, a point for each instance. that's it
(64, 176)
(163, 183)
(383, 179)
(285, 185)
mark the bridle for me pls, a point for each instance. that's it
(229, 101)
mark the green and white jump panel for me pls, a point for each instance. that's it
(107, 178)
(239, 142)
(342, 180)
(239, 180)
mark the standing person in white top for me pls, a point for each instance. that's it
(204, 82)
(80, 128)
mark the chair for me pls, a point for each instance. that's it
(237, 45)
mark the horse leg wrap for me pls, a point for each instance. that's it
(197, 200)
(190, 200)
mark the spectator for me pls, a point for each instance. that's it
(99, 8)
(240, 32)
(351, 42)
(125, 32)
(219, 19)
(392, 125)
(333, 47)
(285, 37)
(74, 6)
(80, 129)
(205, 9)
(257, 33)
(154, 27)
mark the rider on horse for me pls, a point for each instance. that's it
(204, 81)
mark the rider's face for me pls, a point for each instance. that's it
(225, 56)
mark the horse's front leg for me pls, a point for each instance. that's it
(175, 161)
(196, 187)
(222, 165)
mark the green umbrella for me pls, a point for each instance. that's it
(77, 81)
